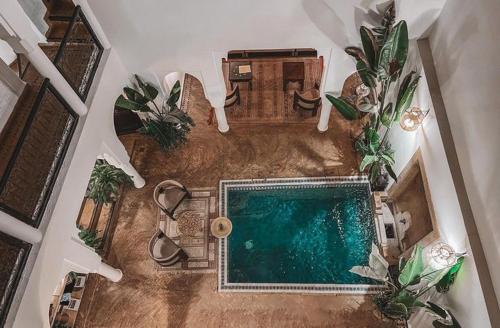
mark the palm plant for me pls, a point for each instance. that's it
(413, 280)
(379, 64)
(105, 181)
(167, 124)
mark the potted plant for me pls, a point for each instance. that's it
(105, 181)
(379, 64)
(405, 287)
(167, 124)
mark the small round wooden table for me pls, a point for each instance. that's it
(221, 227)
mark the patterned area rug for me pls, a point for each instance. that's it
(266, 102)
(201, 246)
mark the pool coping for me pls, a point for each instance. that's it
(254, 184)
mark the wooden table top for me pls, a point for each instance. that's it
(234, 74)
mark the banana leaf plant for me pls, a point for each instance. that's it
(412, 281)
(167, 124)
(380, 63)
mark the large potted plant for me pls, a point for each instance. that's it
(105, 182)
(409, 284)
(165, 123)
(380, 63)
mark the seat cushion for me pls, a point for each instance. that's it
(164, 248)
(171, 197)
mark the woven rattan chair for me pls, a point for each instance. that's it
(168, 195)
(163, 250)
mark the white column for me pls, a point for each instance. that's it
(214, 87)
(327, 83)
(109, 272)
(46, 68)
(115, 154)
(324, 117)
(19, 229)
(220, 114)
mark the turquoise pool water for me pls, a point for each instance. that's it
(299, 235)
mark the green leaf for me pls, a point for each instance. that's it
(391, 172)
(150, 92)
(444, 284)
(405, 94)
(447, 320)
(438, 310)
(357, 53)
(175, 94)
(413, 268)
(406, 298)
(135, 96)
(389, 15)
(345, 109)
(365, 73)
(387, 113)
(396, 310)
(370, 46)
(405, 83)
(123, 103)
(401, 264)
(395, 49)
(367, 160)
(388, 160)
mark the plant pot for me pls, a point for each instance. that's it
(380, 182)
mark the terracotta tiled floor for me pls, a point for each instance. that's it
(148, 298)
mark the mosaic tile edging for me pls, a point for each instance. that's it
(282, 183)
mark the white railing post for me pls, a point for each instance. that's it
(19, 229)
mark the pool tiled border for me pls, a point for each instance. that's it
(281, 183)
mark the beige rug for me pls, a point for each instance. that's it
(201, 247)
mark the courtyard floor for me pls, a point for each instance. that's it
(146, 297)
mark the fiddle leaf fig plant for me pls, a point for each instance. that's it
(402, 297)
(379, 64)
(167, 124)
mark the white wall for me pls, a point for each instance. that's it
(155, 37)
(465, 298)
(35, 9)
(465, 48)
(6, 53)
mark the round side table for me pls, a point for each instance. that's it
(221, 227)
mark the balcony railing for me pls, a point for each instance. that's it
(79, 54)
(31, 172)
(14, 256)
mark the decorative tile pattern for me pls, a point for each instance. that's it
(284, 183)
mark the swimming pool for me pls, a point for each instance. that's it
(296, 235)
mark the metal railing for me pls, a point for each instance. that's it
(14, 256)
(79, 54)
(33, 167)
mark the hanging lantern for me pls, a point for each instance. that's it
(443, 254)
(412, 119)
